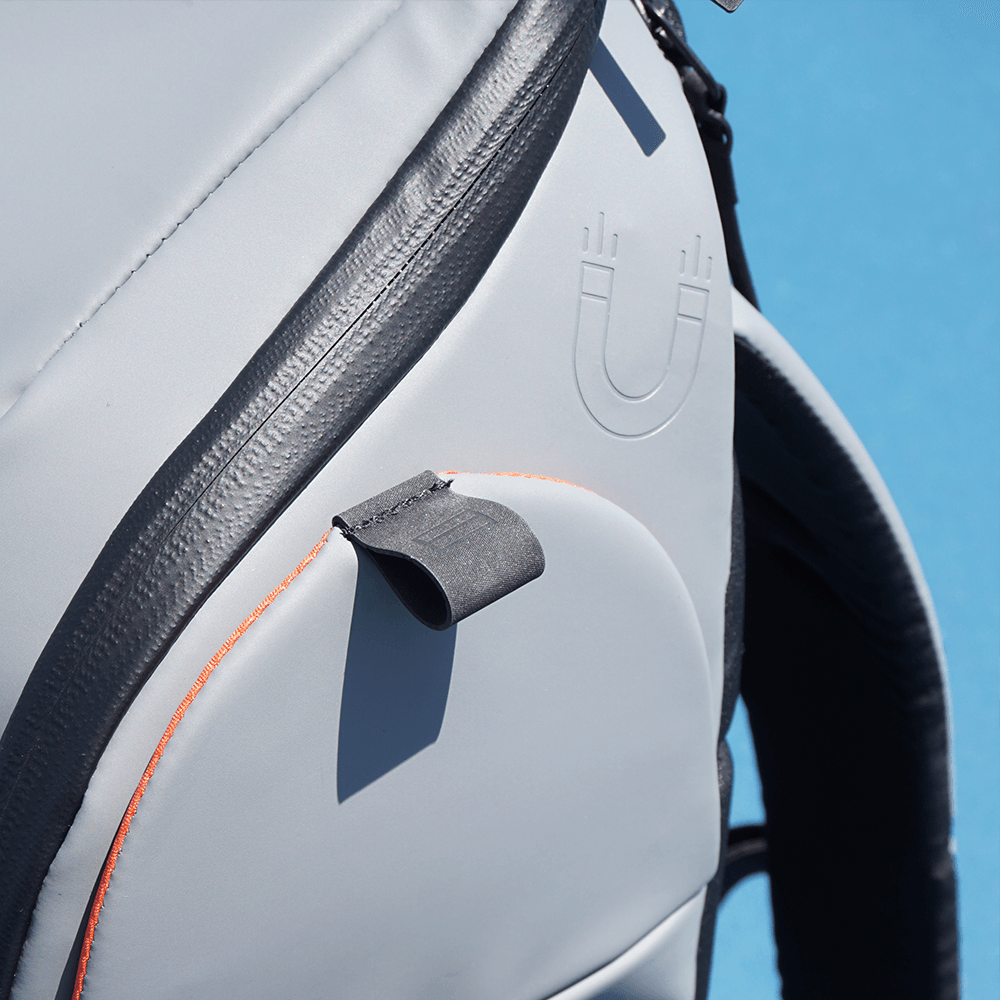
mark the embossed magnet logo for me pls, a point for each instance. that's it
(635, 370)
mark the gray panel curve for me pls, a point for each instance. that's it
(565, 807)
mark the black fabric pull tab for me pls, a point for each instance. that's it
(445, 555)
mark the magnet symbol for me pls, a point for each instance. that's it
(634, 378)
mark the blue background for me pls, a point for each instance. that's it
(867, 157)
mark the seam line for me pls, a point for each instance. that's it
(518, 475)
(402, 505)
(109, 865)
(201, 201)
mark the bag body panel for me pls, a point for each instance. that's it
(547, 763)
(122, 394)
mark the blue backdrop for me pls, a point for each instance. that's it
(867, 158)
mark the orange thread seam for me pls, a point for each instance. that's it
(123, 828)
(521, 475)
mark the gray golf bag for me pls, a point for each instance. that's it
(399, 486)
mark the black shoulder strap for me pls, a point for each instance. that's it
(840, 675)
(846, 699)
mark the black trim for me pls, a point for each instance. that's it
(732, 657)
(707, 99)
(368, 317)
(847, 706)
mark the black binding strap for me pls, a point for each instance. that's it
(370, 314)
(847, 706)
(446, 555)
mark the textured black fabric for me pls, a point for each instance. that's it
(446, 555)
(847, 707)
(732, 657)
(714, 889)
(369, 315)
(719, 153)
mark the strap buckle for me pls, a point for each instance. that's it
(705, 94)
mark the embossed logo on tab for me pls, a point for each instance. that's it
(454, 530)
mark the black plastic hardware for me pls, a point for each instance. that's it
(707, 99)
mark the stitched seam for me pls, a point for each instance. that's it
(518, 475)
(187, 215)
(397, 508)
(133, 806)
(275, 409)
(428, 241)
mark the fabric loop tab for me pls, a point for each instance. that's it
(446, 555)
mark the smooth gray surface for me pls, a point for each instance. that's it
(118, 119)
(497, 392)
(660, 966)
(568, 805)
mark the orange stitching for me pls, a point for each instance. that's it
(522, 475)
(123, 828)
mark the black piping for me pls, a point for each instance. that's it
(732, 657)
(367, 318)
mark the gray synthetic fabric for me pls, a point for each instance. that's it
(369, 315)
(119, 120)
(445, 555)
(126, 389)
(358, 806)
(499, 390)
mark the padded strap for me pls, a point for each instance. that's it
(847, 704)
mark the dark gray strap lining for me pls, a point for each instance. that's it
(847, 705)
(446, 555)
(732, 659)
(368, 317)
